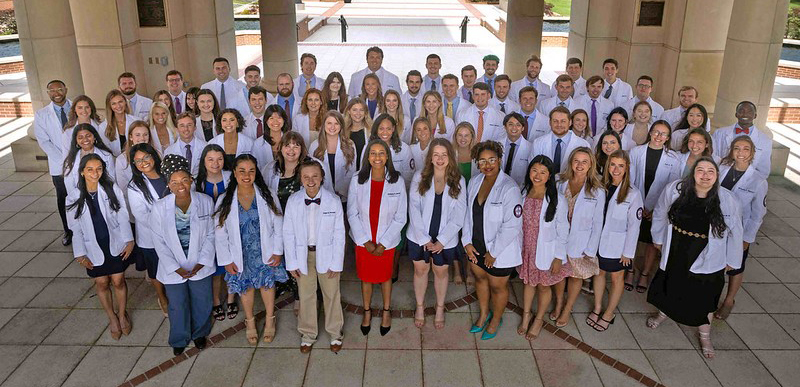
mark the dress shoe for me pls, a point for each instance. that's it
(200, 343)
(305, 348)
(336, 346)
(67, 239)
(177, 350)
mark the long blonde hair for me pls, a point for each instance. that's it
(592, 180)
(348, 121)
(417, 122)
(345, 143)
(111, 128)
(465, 125)
(400, 112)
(438, 120)
(625, 184)
(378, 93)
(170, 124)
(128, 146)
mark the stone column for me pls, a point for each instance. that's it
(278, 40)
(210, 33)
(523, 35)
(49, 51)
(589, 40)
(750, 63)
(107, 36)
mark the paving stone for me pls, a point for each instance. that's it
(450, 368)
(497, 364)
(393, 367)
(115, 363)
(58, 360)
(553, 372)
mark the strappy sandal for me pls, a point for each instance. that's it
(439, 324)
(640, 288)
(218, 312)
(654, 321)
(419, 322)
(629, 276)
(592, 321)
(269, 332)
(126, 330)
(601, 320)
(530, 334)
(251, 333)
(522, 328)
(705, 345)
(233, 310)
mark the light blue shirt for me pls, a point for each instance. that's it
(564, 142)
(282, 102)
(302, 85)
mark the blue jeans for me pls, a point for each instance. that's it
(189, 311)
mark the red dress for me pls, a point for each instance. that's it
(374, 268)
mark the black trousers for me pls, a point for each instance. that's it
(61, 199)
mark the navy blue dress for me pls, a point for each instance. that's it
(112, 264)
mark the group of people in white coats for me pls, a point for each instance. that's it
(228, 190)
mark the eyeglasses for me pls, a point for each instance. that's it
(483, 162)
(143, 160)
(660, 134)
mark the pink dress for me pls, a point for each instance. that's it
(582, 267)
(528, 272)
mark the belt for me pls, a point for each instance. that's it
(312, 248)
(689, 233)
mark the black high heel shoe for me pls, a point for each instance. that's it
(365, 329)
(385, 330)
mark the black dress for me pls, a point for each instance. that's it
(686, 297)
(112, 264)
(652, 159)
(479, 242)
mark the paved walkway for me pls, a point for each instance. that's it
(53, 332)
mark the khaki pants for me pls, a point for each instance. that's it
(331, 299)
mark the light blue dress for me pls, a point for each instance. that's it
(256, 274)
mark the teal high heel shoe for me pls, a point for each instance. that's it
(476, 329)
(488, 336)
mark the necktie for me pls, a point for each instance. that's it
(308, 84)
(449, 111)
(503, 107)
(63, 117)
(491, 83)
(433, 85)
(222, 103)
(510, 159)
(286, 107)
(480, 125)
(413, 108)
(593, 117)
(530, 126)
(189, 152)
(178, 108)
(259, 128)
(557, 156)
(608, 92)
(315, 201)
(470, 97)
(740, 131)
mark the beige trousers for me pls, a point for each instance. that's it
(331, 299)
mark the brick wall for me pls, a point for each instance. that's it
(786, 115)
(12, 67)
(788, 72)
(16, 109)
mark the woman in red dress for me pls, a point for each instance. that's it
(376, 210)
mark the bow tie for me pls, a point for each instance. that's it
(740, 131)
(315, 201)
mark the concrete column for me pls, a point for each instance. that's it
(210, 33)
(47, 42)
(278, 40)
(523, 35)
(751, 58)
(107, 36)
(589, 40)
(693, 49)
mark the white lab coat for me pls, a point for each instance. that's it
(201, 239)
(402, 160)
(140, 107)
(393, 212)
(657, 109)
(244, 144)
(621, 229)
(173, 136)
(344, 173)
(459, 108)
(751, 192)
(683, 158)
(545, 106)
(84, 240)
(71, 176)
(420, 212)
(251, 126)
(542, 88)
(587, 222)
(405, 98)
(262, 151)
(234, 97)
(602, 106)
(229, 240)
(492, 123)
(330, 233)
(625, 136)
(66, 137)
(544, 146)
(620, 93)
(300, 85)
(522, 156)
(418, 155)
(666, 172)
(123, 174)
(674, 117)
(115, 146)
(48, 130)
(426, 83)
(509, 104)
(719, 252)
(540, 126)
(140, 211)
(388, 81)
(179, 148)
(301, 126)
(502, 220)
(198, 128)
(551, 242)
(722, 138)
(578, 86)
